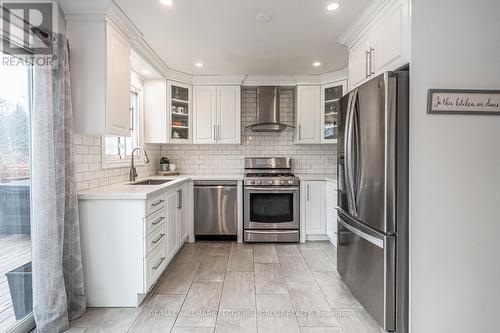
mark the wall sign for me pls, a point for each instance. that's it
(458, 101)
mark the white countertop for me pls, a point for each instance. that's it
(127, 191)
(330, 177)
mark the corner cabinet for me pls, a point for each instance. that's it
(179, 112)
(383, 46)
(217, 114)
(308, 122)
(330, 103)
(167, 112)
(100, 77)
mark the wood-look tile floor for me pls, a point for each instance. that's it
(230, 287)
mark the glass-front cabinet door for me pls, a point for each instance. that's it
(330, 96)
(179, 112)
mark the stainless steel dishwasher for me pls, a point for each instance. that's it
(215, 209)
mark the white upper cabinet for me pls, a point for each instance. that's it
(229, 114)
(100, 78)
(205, 114)
(167, 113)
(359, 62)
(383, 45)
(217, 114)
(179, 112)
(390, 39)
(308, 123)
(330, 103)
(155, 111)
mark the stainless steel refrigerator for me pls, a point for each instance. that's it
(372, 243)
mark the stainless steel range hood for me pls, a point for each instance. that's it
(268, 111)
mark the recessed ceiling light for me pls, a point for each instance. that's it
(316, 64)
(145, 71)
(333, 6)
(264, 17)
(167, 2)
(199, 64)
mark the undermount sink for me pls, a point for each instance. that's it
(152, 182)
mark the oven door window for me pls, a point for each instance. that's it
(271, 207)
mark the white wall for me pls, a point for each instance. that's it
(455, 171)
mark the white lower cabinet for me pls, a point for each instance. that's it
(313, 209)
(331, 212)
(127, 244)
(171, 223)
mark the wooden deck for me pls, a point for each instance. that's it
(15, 250)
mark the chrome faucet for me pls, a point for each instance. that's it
(133, 171)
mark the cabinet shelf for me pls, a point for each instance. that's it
(178, 126)
(179, 101)
(331, 114)
(180, 114)
(332, 100)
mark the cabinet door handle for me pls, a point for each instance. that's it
(215, 133)
(159, 263)
(367, 64)
(158, 221)
(300, 132)
(308, 192)
(154, 204)
(179, 199)
(158, 238)
(372, 54)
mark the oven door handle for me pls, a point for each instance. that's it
(264, 189)
(272, 232)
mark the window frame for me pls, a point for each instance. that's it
(137, 86)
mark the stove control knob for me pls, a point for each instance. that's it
(282, 182)
(252, 182)
(258, 182)
(290, 182)
(270, 182)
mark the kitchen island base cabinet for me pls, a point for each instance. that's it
(127, 244)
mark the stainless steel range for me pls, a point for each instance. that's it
(271, 200)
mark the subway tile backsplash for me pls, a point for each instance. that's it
(212, 159)
(219, 159)
(88, 164)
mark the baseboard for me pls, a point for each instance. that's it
(317, 237)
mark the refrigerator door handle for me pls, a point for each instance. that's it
(348, 152)
(372, 239)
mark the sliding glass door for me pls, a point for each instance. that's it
(15, 196)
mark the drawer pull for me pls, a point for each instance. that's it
(158, 221)
(154, 204)
(161, 260)
(158, 238)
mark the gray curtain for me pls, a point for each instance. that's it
(58, 292)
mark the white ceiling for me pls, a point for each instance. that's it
(226, 37)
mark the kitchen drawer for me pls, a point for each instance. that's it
(155, 203)
(155, 263)
(154, 239)
(153, 221)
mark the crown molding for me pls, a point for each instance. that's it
(269, 80)
(363, 22)
(339, 75)
(233, 80)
